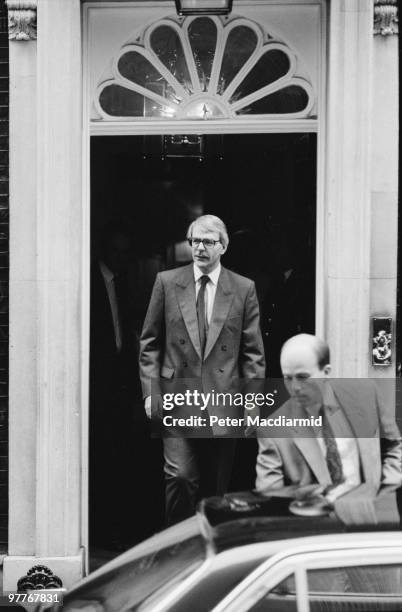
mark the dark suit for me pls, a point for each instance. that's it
(170, 349)
(287, 309)
(110, 415)
(290, 456)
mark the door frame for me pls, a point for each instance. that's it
(246, 125)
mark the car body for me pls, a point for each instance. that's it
(247, 552)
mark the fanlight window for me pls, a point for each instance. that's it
(204, 68)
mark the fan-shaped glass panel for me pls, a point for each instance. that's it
(172, 70)
(136, 68)
(292, 99)
(240, 45)
(271, 66)
(166, 44)
(119, 101)
(203, 110)
(202, 34)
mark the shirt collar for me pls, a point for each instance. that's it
(106, 272)
(213, 276)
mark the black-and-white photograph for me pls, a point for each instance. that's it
(200, 347)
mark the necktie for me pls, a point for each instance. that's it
(201, 313)
(333, 457)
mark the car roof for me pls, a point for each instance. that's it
(266, 529)
(223, 524)
(246, 517)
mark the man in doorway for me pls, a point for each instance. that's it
(202, 323)
(287, 306)
(358, 442)
(112, 353)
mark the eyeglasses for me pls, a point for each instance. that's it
(207, 242)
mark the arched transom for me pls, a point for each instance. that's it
(204, 68)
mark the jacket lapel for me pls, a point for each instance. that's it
(314, 457)
(369, 456)
(353, 404)
(222, 304)
(185, 291)
(306, 441)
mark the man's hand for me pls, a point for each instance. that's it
(308, 491)
(153, 407)
(148, 406)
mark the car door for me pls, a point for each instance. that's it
(350, 578)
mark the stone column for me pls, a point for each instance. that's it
(46, 271)
(348, 214)
(384, 170)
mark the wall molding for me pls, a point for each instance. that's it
(348, 233)
(21, 19)
(385, 17)
(46, 526)
(36, 571)
(39, 577)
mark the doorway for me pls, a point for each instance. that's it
(150, 188)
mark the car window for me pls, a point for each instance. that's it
(282, 598)
(214, 586)
(127, 586)
(370, 588)
(364, 579)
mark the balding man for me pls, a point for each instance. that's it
(202, 324)
(357, 442)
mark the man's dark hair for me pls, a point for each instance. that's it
(323, 353)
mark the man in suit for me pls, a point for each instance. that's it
(358, 442)
(202, 324)
(112, 353)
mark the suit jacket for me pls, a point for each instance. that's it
(102, 336)
(110, 370)
(297, 459)
(286, 310)
(170, 345)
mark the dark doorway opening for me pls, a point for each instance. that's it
(150, 188)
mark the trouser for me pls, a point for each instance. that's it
(195, 468)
